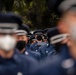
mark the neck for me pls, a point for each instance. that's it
(22, 50)
(5, 54)
(39, 41)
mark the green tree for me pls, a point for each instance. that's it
(35, 13)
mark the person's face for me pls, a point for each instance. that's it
(62, 28)
(22, 38)
(7, 44)
(7, 41)
(65, 24)
(68, 25)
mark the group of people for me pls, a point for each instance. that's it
(51, 51)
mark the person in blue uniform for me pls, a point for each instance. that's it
(49, 49)
(22, 45)
(38, 34)
(12, 63)
(65, 62)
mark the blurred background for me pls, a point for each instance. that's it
(35, 13)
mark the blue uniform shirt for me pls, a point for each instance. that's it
(36, 46)
(16, 65)
(33, 54)
(63, 64)
(47, 50)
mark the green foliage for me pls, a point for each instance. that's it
(35, 13)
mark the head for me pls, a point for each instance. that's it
(24, 31)
(7, 44)
(39, 36)
(67, 23)
(22, 39)
(8, 24)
